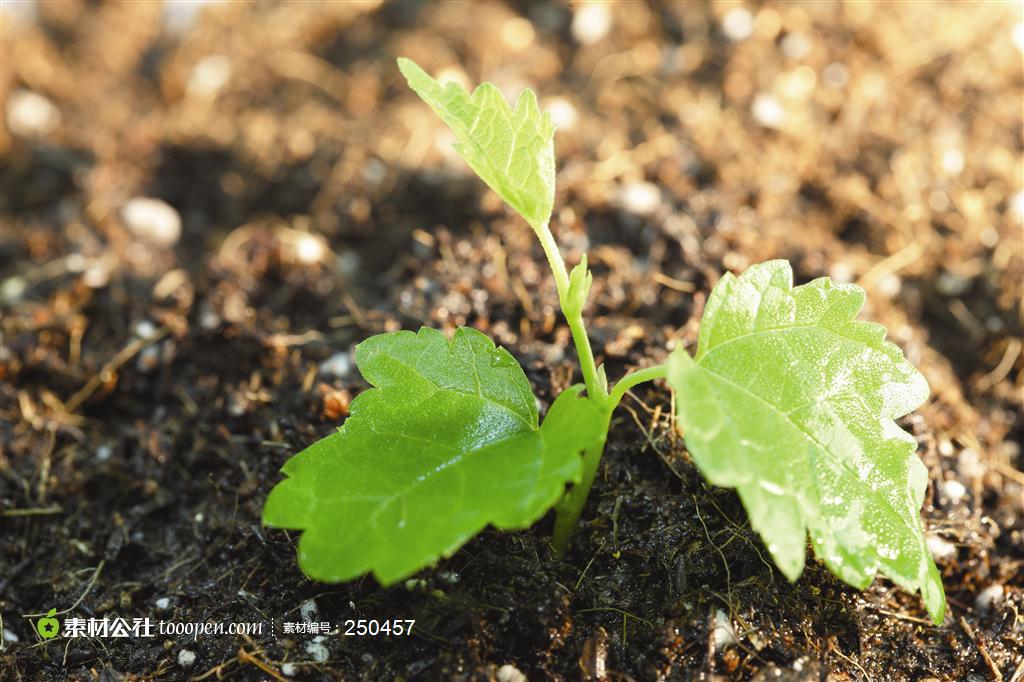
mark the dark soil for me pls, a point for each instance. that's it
(152, 390)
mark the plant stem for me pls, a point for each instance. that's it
(574, 317)
(630, 380)
(570, 508)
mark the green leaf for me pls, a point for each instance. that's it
(511, 149)
(791, 401)
(447, 443)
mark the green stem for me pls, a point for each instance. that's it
(570, 508)
(574, 317)
(630, 380)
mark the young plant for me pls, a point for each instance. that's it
(788, 399)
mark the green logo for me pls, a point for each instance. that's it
(48, 627)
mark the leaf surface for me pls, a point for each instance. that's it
(446, 443)
(791, 401)
(511, 149)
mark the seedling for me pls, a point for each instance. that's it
(788, 399)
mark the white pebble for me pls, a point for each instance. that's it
(144, 329)
(952, 162)
(767, 111)
(179, 15)
(10, 636)
(991, 594)
(836, 75)
(149, 359)
(796, 46)
(208, 319)
(954, 490)
(563, 113)
(289, 669)
(309, 249)
(29, 114)
(163, 603)
(510, 673)
(591, 22)
(640, 197)
(1017, 204)
(349, 262)
(152, 220)
(186, 658)
(96, 276)
(940, 548)
(338, 365)
(208, 77)
(308, 611)
(969, 465)
(104, 452)
(841, 272)
(889, 286)
(13, 289)
(738, 23)
(723, 634)
(318, 650)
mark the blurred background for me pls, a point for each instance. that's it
(205, 205)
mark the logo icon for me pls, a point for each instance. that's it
(48, 627)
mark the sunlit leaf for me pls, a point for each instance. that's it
(791, 401)
(447, 443)
(511, 149)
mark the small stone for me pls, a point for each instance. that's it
(841, 272)
(969, 465)
(991, 594)
(10, 637)
(338, 365)
(152, 220)
(723, 634)
(767, 111)
(796, 46)
(309, 249)
(889, 286)
(29, 114)
(186, 658)
(941, 548)
(954, 490)
(1017, 204)
(289, 669)
(563, 113)
(836, 75)
(208, 77)
(103, 452)
(208, 319)
(640, 197)
(952, 162)
(308, 611)
(163, 603)
(96, 276)
(12, 289)
(149, 359)
(517, 33)
(318, 650)
(738, 24)
(510, 673)
(144, 329)
(591, 22)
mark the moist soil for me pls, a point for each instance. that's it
(153, 383)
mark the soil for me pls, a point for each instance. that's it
(154, 383)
